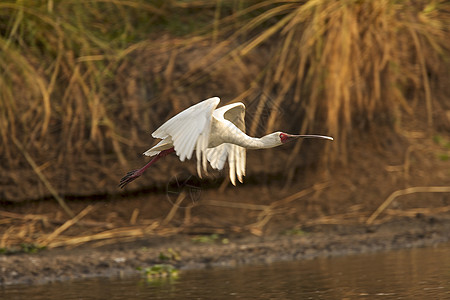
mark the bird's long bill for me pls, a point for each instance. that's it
(309, 136)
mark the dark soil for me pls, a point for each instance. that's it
(314, 241)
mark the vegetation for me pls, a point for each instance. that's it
(159, 271)
(81, 81)
(171, 255)
(22, 248)
(294, 231)
(210, 239)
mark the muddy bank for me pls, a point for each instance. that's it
(265, 220)
(314, 241)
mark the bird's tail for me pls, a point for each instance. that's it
(161, 146)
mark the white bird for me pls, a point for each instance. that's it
(216, 135)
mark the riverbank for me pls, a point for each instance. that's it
(195, 223)
(185, 252)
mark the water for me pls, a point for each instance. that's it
(406, 274)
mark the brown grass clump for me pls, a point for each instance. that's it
(57, 64)
(344, 67)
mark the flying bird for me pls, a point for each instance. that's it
(216, 135)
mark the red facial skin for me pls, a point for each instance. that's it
(284, 137)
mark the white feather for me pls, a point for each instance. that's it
(185, 128)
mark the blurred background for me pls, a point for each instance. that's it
(84, 83)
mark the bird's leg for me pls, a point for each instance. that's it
(132, 175)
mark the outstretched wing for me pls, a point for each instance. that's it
(190, 130)
(236, 155)
(236, 159)
(234, 112)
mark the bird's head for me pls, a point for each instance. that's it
(279, 138)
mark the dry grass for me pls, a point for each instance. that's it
(31, 232)
(410, 190)
(75, 93)
(344, 67)
(39, 231)
(56, 61)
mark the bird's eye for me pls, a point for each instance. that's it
(283, 137)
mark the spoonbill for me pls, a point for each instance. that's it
(215, 134)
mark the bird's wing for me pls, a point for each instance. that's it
(236, 159)
(235, 113)
(190, 130)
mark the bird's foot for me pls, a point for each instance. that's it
(132, 175)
